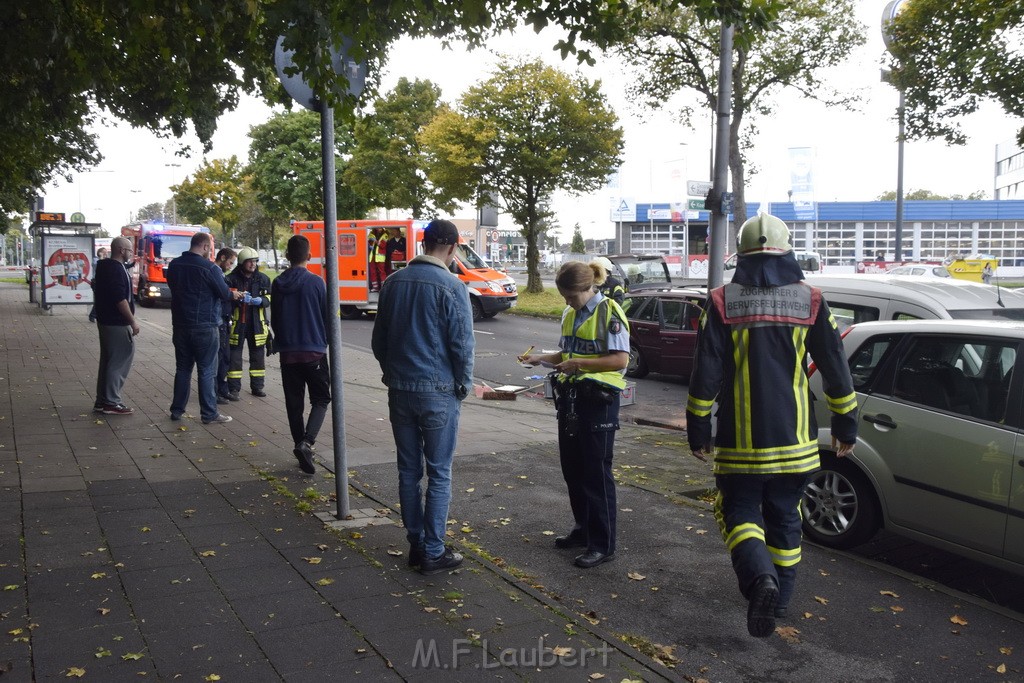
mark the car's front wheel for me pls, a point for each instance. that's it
(637, 365)
(839, 506)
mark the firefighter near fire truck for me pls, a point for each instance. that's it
(753, 340)
(248, 325)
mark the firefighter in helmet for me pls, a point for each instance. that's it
(612, 286)
(248, 323)
(753, 340)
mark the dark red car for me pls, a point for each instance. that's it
(662, 330)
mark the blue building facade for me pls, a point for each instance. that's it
(845, 233)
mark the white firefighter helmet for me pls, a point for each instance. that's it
(246, 253)
(605, 263)
(762, 234)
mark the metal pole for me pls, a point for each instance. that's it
(720, 219)
(334, 308)
(899, 179)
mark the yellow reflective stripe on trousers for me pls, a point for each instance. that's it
(257, 373)
(803, 424)
(784, 558)
(741, 388)
(744, 532)
(234, 374)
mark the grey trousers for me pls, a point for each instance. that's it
(117, 350)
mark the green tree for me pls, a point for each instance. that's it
(673, 51)
(578, 246)
(928, 195)
(170, 66)
(525, 133)
(950, 55)
(285, 164)
(387, 161)
(255, 225)
(151, 212)
(214, 192)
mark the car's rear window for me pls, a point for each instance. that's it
(989, 314)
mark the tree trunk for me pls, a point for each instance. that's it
(533, 281)
(273, 245)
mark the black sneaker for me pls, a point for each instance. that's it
(761, 609)
(222, 400)
(119, 409)
(304, 454)
(415, 555)
(98, 407)
(449, 559)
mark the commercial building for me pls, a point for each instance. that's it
(1009, 171)
(847, 233)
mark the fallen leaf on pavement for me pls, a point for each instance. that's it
(431, 609)
(1001, 669)
(326, 581)
(958, 620)
(562, 651)
(75, 672)
(889, 593)
(788, 634)
(596, 676)
(104, 611)
(132, 655)
(636, 576)
(1006, 650)
(208, 553)
(808, 615)
(322, 546)
(396, 553)
(820, 599)
(313, 560)
(99, 575)
(548, 533)
(466, 529)
(895, 608)
(356, 535)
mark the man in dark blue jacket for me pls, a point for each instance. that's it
(298, 316)
(115, 317)
(197, 292)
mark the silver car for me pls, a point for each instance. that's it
(939, 457)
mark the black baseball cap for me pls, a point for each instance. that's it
(441, 231)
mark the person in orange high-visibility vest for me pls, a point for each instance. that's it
(378, 256)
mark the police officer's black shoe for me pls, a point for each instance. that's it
(233, 396)
(577, 538)
(592, 558)
(259, 393)
(761, 607)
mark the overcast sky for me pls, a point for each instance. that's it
(855, 151)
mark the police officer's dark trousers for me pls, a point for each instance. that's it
(585, 451)
(257, 360)
(759, 517)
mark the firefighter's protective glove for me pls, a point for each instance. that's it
(256, 300)
(247, 298)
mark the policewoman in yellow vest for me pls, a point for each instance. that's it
(594, 351)
(753, 341)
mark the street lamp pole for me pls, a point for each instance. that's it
(174, 198)
(888, 14)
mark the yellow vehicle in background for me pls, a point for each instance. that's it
(973, 267)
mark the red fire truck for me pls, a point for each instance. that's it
(156, 245)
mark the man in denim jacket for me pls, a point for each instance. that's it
(423, 340)
(197, 292)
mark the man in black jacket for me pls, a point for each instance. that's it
(115, 317)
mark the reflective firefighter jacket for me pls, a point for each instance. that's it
(247, 319)
(752, 347)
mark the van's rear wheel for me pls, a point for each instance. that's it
(478, 310)
(350, 313)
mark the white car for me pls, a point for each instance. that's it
(939, 456)
(919, 270)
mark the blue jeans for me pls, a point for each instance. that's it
(425, 425)
(196, 346)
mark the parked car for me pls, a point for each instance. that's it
(641, 271)
(662, 330)
(810, 262)
(920, 270)
(862, 298)
(938, 457)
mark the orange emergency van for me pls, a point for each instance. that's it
(156, 245)
(490, 291)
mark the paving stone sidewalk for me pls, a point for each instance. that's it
(136, 546)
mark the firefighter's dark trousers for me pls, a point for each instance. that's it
(257, 364)
(759, 517)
